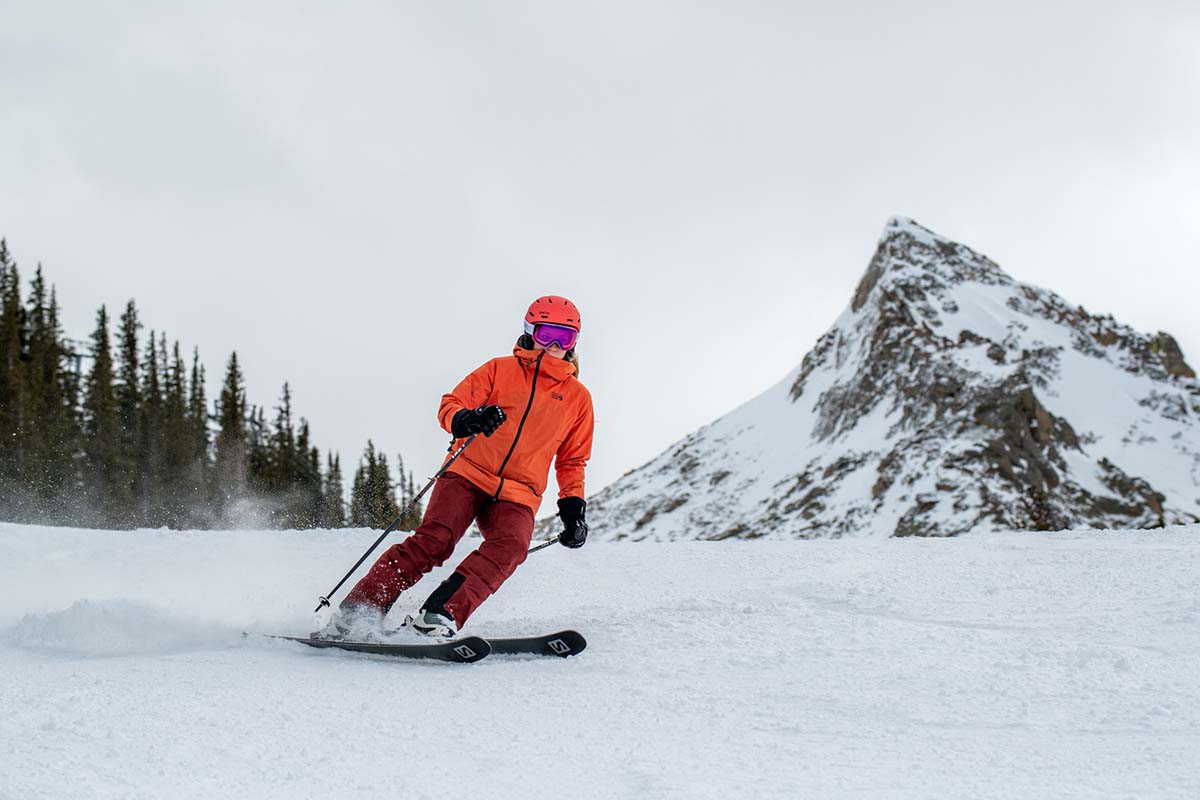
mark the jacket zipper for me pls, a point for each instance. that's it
(533, 388)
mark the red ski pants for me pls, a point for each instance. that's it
(455, 502)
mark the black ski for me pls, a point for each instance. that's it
(467, 650)
(561, 644)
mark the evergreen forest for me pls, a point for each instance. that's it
(117, 431)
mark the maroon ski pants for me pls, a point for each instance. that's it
(455, 502)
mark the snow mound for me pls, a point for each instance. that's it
(116, 628)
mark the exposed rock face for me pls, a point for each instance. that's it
(947, 398)
(1165, 346)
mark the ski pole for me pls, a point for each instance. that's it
(544, 544)
(412, 503)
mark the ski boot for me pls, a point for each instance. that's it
(432, 624)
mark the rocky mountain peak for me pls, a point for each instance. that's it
(946, 398)
(907, 247)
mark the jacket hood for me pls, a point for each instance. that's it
(559, 368)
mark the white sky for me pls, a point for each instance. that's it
(363, 199)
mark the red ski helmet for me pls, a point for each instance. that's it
(554, 310)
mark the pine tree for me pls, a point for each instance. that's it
(260, 461)
(30, 439)
(72, 370)
(152, 472)
(63, 423)
(402, 496)
(51, 435)
(176, 441)
(128, 494)
(333, 503)
(102, 420)
(408, 489)
(231, 451)
(373, 497)
(12, 389)
(283, 471)
(197, 493)
(272, 467)
(306, 482)
(198, 411)
(411, 517)
(384, 509)
(359, 500)
(265, 485)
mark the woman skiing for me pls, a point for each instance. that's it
(530, 408)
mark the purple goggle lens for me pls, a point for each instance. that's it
(546, 334)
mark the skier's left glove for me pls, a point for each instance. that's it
(575, 530)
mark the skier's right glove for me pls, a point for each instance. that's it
(484, 419)
(575, 530)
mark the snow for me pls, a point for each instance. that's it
(998, 665)
(901, 224)
(981, 310)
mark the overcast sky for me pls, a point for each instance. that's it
(363, 198)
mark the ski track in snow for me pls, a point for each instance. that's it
(1000, 665)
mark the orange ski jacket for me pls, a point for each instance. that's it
(549, 416)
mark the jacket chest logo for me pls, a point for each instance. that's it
(556, 395)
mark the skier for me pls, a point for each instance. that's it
(530, 408)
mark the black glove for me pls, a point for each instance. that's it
(574, 528)
(484, 419)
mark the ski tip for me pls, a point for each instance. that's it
(573, 640)
(562, 644)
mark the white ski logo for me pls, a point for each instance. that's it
(464, 651)
(559, 646)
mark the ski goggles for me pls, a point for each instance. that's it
(546, 334)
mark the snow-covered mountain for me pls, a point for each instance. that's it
(946, 398)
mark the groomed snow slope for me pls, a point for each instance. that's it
(1014, 665)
